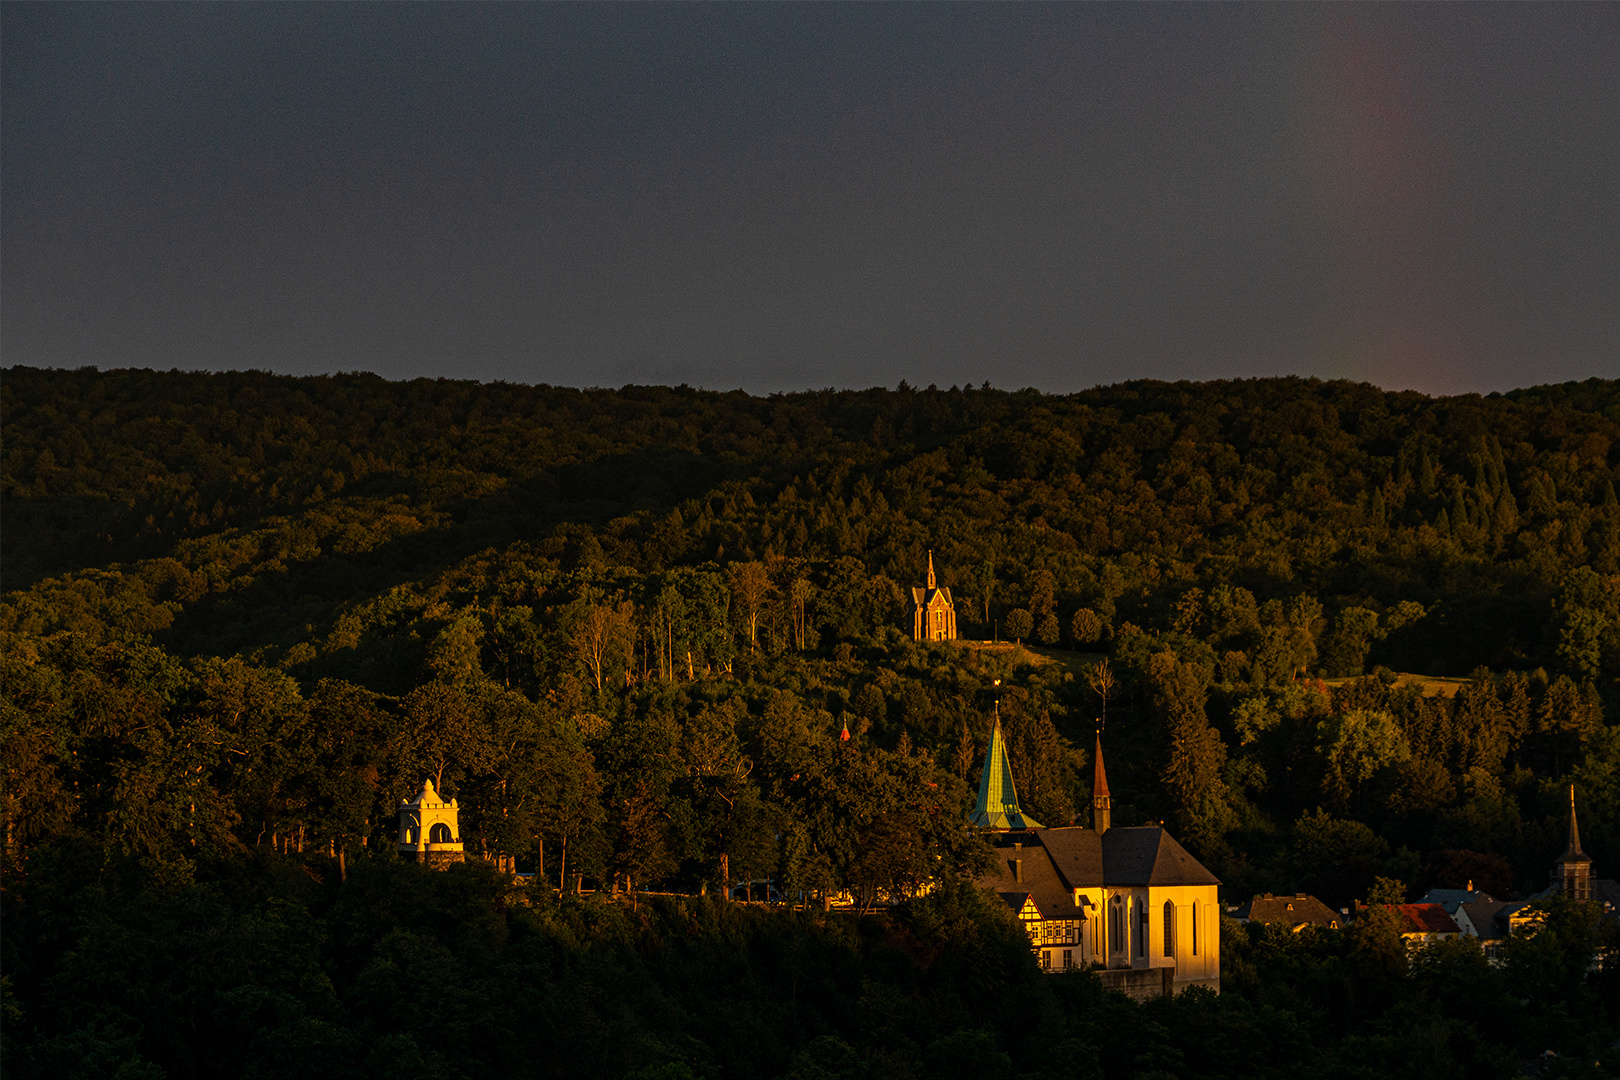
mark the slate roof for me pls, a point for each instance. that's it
(1058, 861)
(1147, 855)
(1295, 911)
(1077, 853)
(1452, 899)
(1488, 917)
(1041, 882)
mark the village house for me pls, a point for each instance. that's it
(1295, 912)
(1493, 922)
(1425, 923)
(1453, 899)
(1128, 901)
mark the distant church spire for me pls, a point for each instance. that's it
(1574, 828)
(1101, 804)
(1572, 873)
(931, 585)
(997, 807)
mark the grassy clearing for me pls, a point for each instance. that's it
(1429, 685)
(1015, 656)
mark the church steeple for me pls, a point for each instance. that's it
(1572, 873)
(1101, 805)
(997, 807)
(931, 585)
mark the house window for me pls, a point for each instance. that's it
(1068, 958)
(1046, 959)
(1169, 928)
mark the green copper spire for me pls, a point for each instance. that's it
(998, 798)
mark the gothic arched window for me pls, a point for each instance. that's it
(1169, 928)
(440, 834)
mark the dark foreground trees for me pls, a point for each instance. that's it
(273, 967)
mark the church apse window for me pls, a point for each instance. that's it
(1169, 928)
(1116, 925)
(440, 834)
(1195, 928)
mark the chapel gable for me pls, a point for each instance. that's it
(933, 615)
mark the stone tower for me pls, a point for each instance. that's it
(428, 829)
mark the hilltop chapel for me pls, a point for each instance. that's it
(933, 615)
(1129, 900)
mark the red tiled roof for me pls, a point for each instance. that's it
(1428, 919)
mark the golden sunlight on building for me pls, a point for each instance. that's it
(428, 829)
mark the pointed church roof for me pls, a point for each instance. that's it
(1147, 855)
(931, 594)
(1574, 854)
(1099, 779)
(997, 807)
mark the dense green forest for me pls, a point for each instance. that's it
(245, 614)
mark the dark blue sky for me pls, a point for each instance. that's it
(797, 195)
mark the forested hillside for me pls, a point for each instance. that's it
(245, 614)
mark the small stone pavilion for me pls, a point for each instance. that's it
(933, 615)
(428, 830)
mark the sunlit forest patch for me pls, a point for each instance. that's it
(1354, 640)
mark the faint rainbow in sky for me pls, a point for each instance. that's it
(1395, 314)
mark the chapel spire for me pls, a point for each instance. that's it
(931, 585)
(1101, 804)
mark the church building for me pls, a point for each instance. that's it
(1130, 901)
(933, 615)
